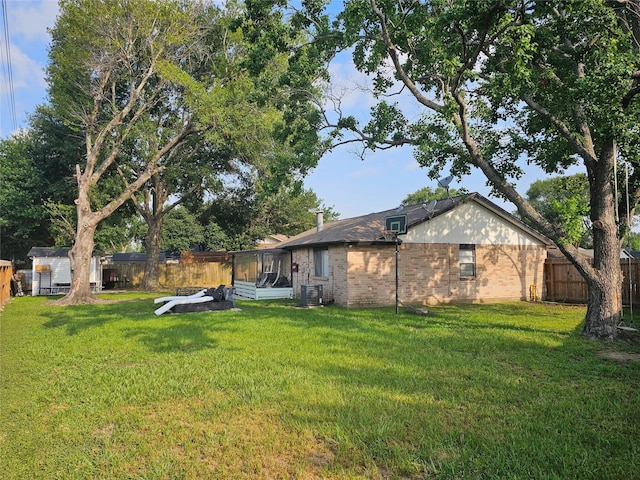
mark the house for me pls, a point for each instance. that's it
(51, 271)
(271, 241)
(462, 249)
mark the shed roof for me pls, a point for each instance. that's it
(368, 229)
(51, 252)
(48, 252)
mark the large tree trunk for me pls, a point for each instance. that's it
(605, 305)
(604, 308)
(152, 208)
(604, 281)
(80, 255)
(152, 246)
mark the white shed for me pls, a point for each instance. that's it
(52, 271)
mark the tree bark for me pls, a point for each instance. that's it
(604, 281)
(81, 253)
(153, 208)
(152, 247)
(604, 307)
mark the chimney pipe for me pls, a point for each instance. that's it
(319, 221)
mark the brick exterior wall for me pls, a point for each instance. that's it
(428, 274)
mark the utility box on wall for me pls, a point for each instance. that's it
(311, 295)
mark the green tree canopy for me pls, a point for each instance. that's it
(426, 194)
(565, 201)
(113, 64)
(22, 215)
(137, 78)
(37, 191)
(238, 218)
(181, 231)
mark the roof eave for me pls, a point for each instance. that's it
(340, 243)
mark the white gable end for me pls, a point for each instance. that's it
(469, 223)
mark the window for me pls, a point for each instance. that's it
(321, 262)
(467, 260)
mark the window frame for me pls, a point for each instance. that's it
(467, 261)
(321, 262)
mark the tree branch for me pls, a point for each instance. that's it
(587, 156)
(393, 53)
(152, 167)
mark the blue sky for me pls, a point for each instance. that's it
(342, 180)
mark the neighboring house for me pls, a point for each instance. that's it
(52, 271)
(271, 241)
(462, 249)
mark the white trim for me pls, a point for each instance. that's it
(249, 290)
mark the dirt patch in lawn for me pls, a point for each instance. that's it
(622, 357)
(625, 336)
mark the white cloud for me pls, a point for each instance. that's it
(30, 20)
(27, 23)
(27, 72)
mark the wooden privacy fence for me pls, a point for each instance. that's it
(563, 283)
(6, 271)
(175, 275)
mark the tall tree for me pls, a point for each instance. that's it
(124, 70)
(195, 168)
(552, 83)
(261, 134)
(284, 68)
(113, 64)
(22, 216)
(35, 173)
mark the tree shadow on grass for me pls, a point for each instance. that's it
(135, 319)
(78, 318)
(183, 336)
(460, 381)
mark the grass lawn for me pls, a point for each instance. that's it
(273, 391)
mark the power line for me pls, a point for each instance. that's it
(7, 70)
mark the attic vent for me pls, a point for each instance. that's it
(311, 295)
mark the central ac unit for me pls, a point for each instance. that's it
(311, 295)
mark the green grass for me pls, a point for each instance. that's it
(511, 391)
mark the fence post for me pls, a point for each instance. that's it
(6, 271)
